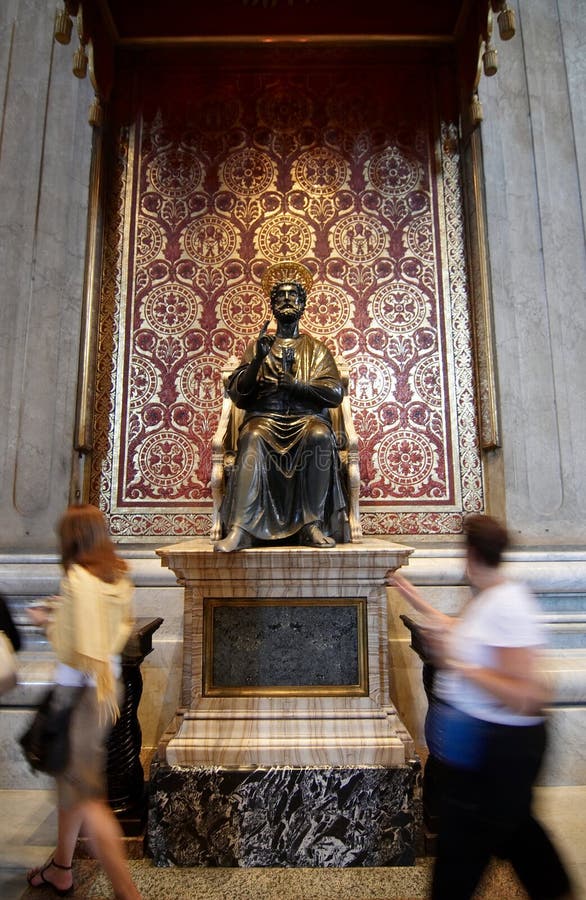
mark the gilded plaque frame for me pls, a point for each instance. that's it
(358, 689)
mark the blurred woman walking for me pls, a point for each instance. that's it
(88, 625)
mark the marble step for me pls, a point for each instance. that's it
(288, 732)
(567, 671)
(566, 634)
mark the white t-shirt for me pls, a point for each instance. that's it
(502, 616)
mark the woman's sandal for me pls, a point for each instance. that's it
(44, 882)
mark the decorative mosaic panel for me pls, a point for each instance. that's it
(356, 173)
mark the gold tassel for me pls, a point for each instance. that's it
(63, 26)
(507, 24)
(476, 113)
(80, 63)
(96, 114)
(490, 61)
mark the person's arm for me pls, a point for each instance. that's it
(515, 679)
(417, 601)
(40, 612)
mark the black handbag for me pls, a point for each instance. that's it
(45, 743)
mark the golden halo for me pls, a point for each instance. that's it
(282, 272)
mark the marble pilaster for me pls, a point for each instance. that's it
(532, 137)
(44, 171)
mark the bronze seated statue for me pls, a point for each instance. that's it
(285, 458)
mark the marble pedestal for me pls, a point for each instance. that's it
(285, 816)
(286, 682)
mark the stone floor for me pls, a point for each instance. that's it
(28, 828)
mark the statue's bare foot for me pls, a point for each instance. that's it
(312, 536)
(236, 539)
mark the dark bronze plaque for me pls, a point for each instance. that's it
(281, 647)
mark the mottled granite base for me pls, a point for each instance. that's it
(285, 817)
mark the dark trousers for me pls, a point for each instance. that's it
(486, 812)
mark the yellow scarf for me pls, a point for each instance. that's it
(92, 623)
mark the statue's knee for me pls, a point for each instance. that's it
(321, 436)
(321, 447)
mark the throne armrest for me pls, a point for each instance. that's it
(349, 452)
(221, 442)
(353, 471)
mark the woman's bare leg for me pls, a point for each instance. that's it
(59, 874)
(105, 834)
(69, 824)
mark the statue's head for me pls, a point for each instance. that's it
(287, 288)
(288, 301)
(286, 285)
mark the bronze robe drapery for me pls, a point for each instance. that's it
(287, 466)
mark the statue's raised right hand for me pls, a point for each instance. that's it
(264, 342)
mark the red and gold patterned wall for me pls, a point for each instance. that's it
(220, 170)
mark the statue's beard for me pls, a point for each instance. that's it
(287, 318)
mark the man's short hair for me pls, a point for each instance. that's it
(487, 537)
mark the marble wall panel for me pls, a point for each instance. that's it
(573, 36)
(532, 160)
(44, 167)
(559, 578)
(565, 762)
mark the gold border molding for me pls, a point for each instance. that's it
(360, 689)
(480, 295)
(83, 437)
